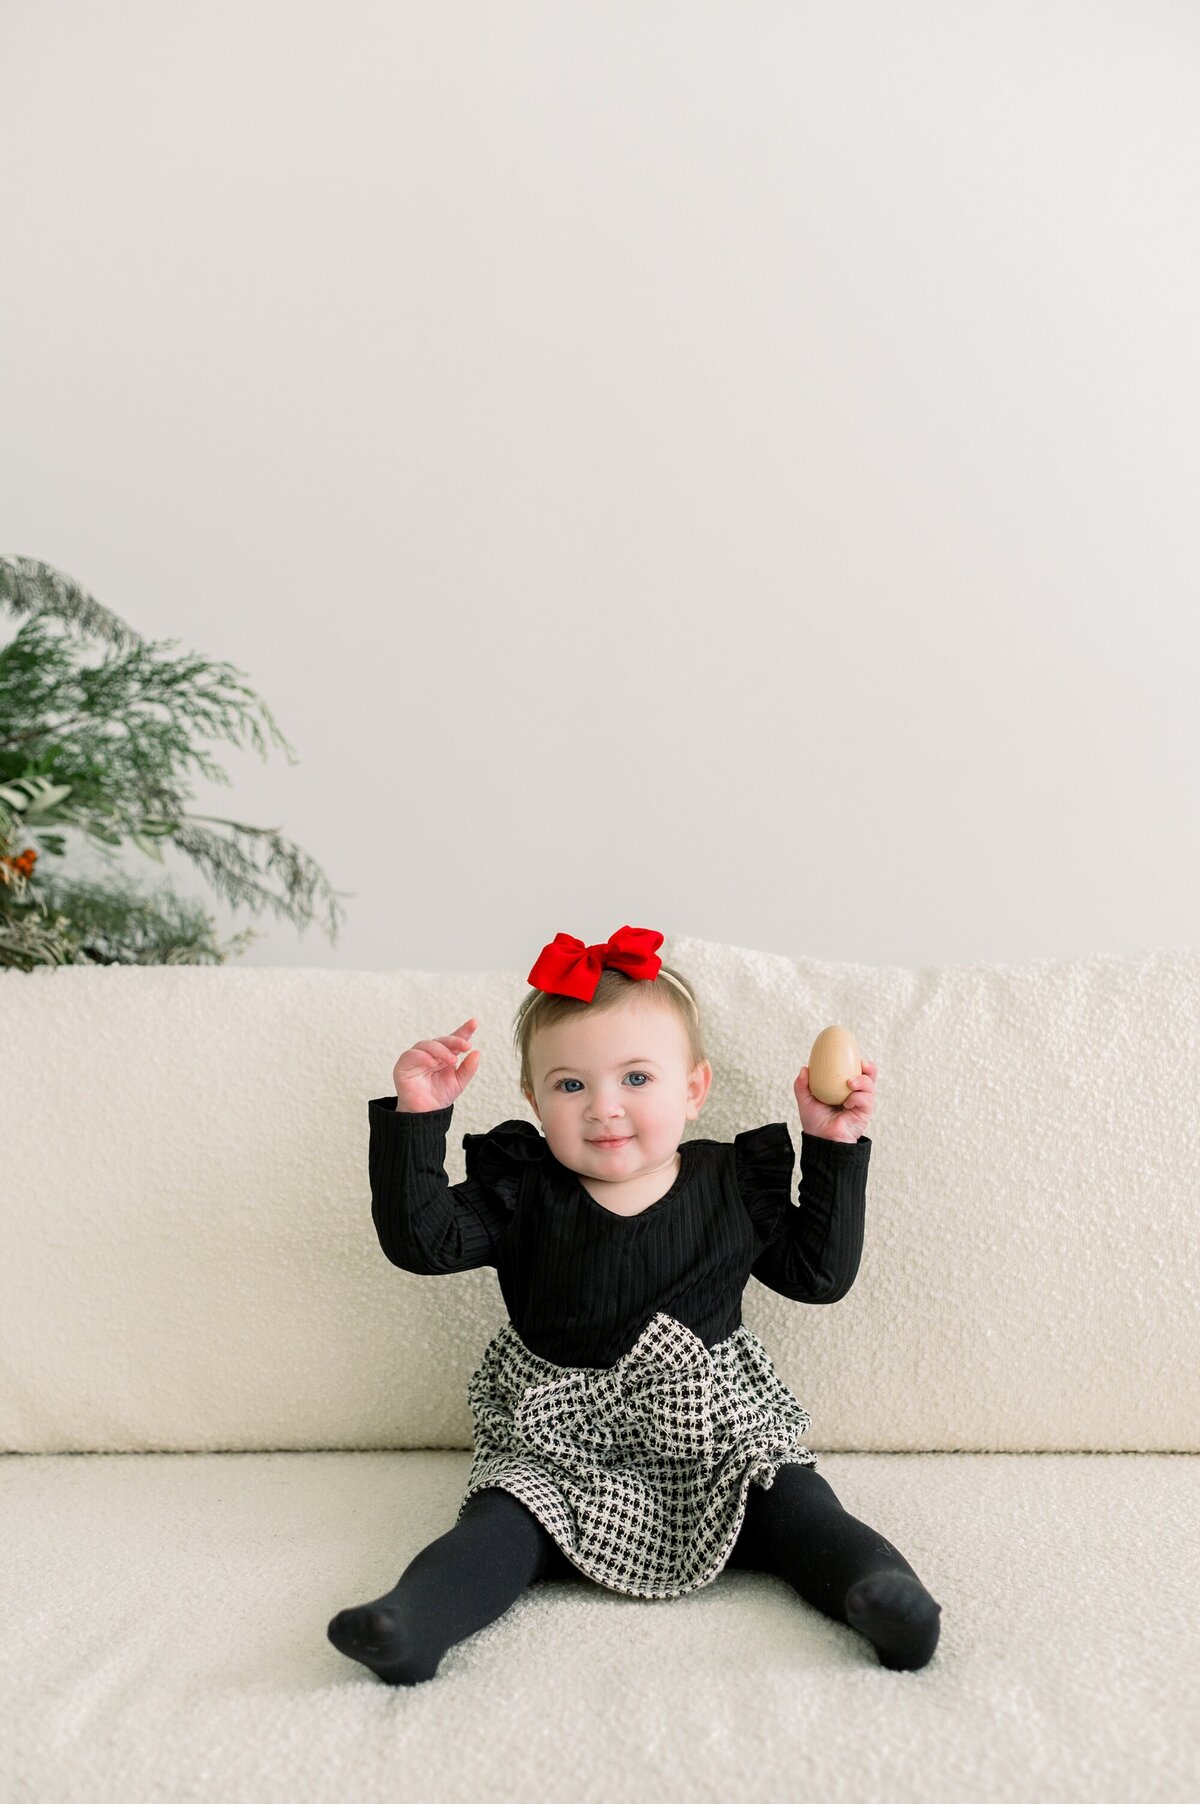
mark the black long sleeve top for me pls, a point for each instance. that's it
(580, 1281)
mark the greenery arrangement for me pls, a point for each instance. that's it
(103, 749)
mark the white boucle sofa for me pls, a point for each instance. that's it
(225, 1415)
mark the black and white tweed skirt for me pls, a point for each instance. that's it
(638, 1470)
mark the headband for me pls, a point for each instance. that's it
(566, 967)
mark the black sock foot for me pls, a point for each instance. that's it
(375, 1634)
(896, 1613)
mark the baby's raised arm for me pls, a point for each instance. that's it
(426, 1224)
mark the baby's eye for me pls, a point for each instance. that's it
(575, 1080)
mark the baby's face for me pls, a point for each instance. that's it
(622, 1074)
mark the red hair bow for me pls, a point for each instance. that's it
(566, 967)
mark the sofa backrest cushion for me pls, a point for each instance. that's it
(189, 1260)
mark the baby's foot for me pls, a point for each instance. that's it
(376, 1635)
(897, 1614)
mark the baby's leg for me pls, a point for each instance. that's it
(456, 1585)
(800, 1531)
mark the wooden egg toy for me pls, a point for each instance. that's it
(833, 1061)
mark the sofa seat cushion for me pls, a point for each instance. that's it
(163, 1620)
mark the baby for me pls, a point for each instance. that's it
(629, 1429)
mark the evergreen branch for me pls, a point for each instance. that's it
(104, 749)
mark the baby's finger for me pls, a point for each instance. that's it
(445, 1048)
(461, 1035)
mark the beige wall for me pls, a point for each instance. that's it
(729, 469)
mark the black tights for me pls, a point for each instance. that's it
(797, 1530)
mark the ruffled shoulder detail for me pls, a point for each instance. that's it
(764, 1160)
(498, 1157)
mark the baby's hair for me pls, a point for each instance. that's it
(670, 989)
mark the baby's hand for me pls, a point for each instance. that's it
(426, 1077)
(848, 1122)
